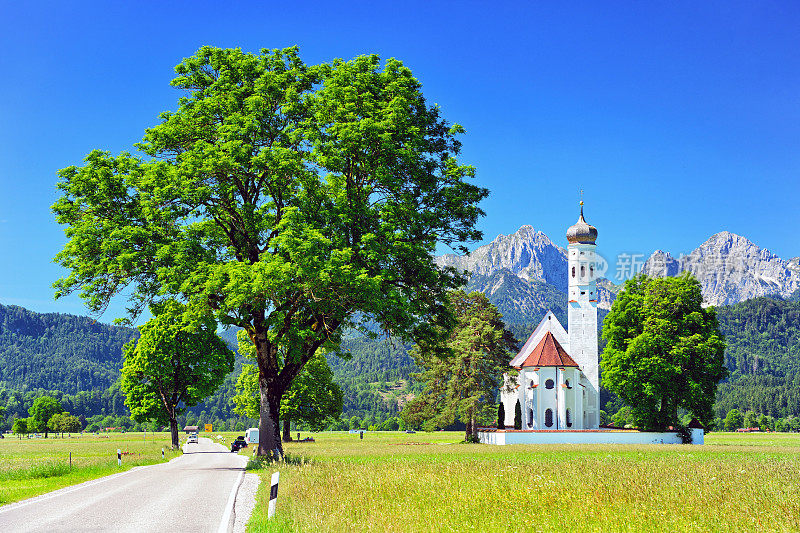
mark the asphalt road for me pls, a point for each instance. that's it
(194, 492)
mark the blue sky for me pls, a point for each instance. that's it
(678, 120)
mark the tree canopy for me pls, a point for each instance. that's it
(664, 351)
(177, 362)
(20, 426)
(286, 199)
(41, 411)
(461, 375)
(64, 423)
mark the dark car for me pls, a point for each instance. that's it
(238, 444)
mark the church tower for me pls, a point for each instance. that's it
(582, 308)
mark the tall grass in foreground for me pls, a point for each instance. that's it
(744, 483)
(29, 467)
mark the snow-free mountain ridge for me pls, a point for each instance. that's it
(519, 272)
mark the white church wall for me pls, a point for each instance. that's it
(547, 398)
(586, 437)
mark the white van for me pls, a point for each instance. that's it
(251, 436)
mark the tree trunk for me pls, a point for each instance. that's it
(269, 436)
(173, 428)
(287, 435)
(474, 425)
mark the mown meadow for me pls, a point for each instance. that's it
(29, 467)
(429, 482)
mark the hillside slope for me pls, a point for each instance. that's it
(56, 351)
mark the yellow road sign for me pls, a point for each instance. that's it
(208, 428)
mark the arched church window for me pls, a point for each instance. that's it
(548, 418)
(583, 270)
(566, 382)
(549, 384)
(573, 272)
(531, 383)
(530, 418)
(591, 270)
(569, 418)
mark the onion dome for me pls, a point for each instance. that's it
(581, 232)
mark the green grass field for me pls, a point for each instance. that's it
(29, 467)
(427, 482)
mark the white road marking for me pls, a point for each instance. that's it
(224, 525)
(37, 499)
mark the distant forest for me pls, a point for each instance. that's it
(77, 360)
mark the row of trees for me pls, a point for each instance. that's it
(46, 415)
(735, 419)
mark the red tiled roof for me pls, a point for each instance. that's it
(548, 353)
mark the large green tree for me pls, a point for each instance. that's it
(462, 374)
(313, 398)
(43, 408)
(733, 420)
(64, 423)
(20, 427)
(664, 351)
(177, 362)
(290, 200)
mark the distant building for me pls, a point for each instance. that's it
(558, 384)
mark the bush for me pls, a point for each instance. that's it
(685, 434)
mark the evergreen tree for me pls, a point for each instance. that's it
(517, 416)
(501, 416)
(462, 374)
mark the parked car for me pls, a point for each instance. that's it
(192, 439)
(238, 444)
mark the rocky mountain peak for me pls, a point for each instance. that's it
(527, 253)
(730, 268)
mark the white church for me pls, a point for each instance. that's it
(557, 386)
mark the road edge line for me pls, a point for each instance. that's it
(227, 517)
(68, 490)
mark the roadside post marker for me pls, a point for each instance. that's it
(273, 494)
(162, 453)
(70, 460)
(119, 457)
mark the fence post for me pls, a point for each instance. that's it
(273, 494)
(119, 457)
